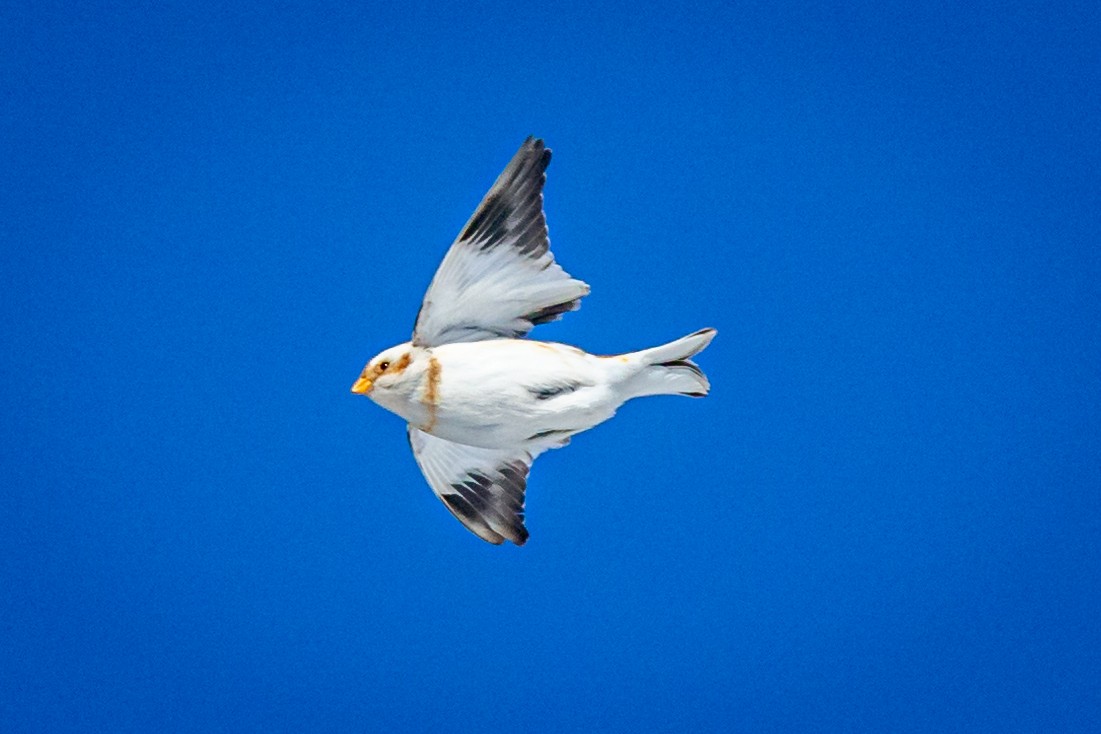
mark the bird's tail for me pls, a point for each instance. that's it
(667, 370)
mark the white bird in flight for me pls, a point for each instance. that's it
(481, 401)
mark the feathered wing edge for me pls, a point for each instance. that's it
(499, 278)
(483, 488)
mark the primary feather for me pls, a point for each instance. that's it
(499, 278)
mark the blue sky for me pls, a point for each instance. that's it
(886, 517)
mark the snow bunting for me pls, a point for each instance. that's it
(481, 401)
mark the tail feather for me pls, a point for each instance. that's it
(667, 369)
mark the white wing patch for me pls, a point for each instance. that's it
(499, 278)
(483, 488)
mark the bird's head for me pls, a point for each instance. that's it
(385, 371)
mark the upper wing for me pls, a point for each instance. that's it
(483, 488)
(499, 278)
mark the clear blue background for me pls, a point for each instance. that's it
(886, 517)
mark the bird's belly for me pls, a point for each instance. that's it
(507, 418)
(508, 393)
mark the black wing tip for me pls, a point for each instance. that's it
(534, 143)
(491, 505)
(515, 534)
(538, 146)
(517, 192)
(469, 515)
(553, 312)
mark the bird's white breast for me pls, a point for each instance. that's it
(502, 393)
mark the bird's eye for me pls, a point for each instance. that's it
(384, 366)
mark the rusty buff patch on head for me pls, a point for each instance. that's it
(399, 366)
